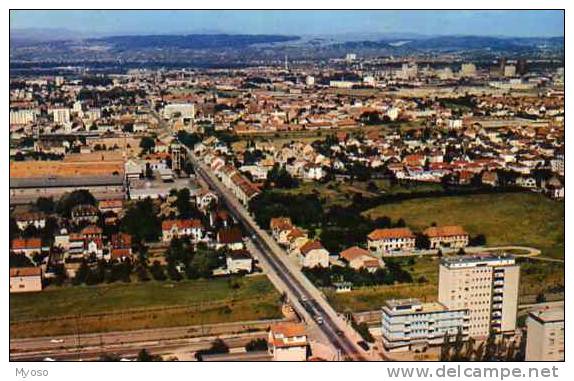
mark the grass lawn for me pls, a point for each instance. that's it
(116, 307)
(528, 219)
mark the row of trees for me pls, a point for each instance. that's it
(327, 277)
(493, 349)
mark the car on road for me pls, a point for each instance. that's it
(339, 333)
(56, 341)
(363, 344)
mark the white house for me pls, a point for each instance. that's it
(288, 342)
(182, 228)
(313, 254)
(239, 260)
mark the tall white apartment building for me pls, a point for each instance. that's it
(485, 285)
(23, 116)
(60, 115)
(407, 324)
(545, 334)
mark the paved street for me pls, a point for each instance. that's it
(286, 276)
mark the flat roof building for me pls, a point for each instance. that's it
(408, 324)
(545, 334)
(486, 285)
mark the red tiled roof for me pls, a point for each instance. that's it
(354, 253)
(92, 229)
(282, 223)
(26, 243)
(181, 224)
(231, 235)
(288, 329)
(311, 245)
(120, 253)
(25, 271)
(445, 231)
(380, 234)
(121, 240)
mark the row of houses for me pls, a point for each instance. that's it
(384, 242)
(311, 253)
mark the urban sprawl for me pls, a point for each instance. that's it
(289, 212)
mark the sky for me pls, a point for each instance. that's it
(462, 22)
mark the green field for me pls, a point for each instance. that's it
(527, 219)
(117, 307)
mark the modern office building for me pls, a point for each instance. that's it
(487, 286)
(545, 334)
(408, 324)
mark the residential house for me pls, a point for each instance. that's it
(36, 219)
(279, 224)
(25, 279)
(230, 238)
(288, 342)
(85, 213)
(454, 237)
(490, 178)
(94, 246)
(121, 246)
(296, 238)
(388, 241)
(27, 246)
(114, 205)
(239, 261)
(359, 258)
(313, 254)
(182, 228)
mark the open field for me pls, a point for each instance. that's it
(536, 277)
(117, 307)
(526, 219)
(341, 193)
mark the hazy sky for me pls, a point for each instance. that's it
(503, 23)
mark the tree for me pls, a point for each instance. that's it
(147, 144)
(78, 197)
(218, 346)
(81, 274)
(142, 222)
(157, 272)
(478, 240)
(20, 260)
(45, 204)
(204, 261)
(256, 345)
(183, 203)
(145, 356)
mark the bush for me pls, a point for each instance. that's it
(256, 345)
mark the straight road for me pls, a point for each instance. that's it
(288, 277)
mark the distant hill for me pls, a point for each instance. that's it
(442, 43)
(191, 41)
